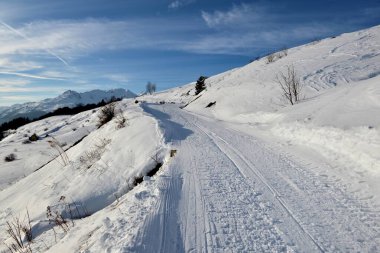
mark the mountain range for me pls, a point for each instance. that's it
(67, 99)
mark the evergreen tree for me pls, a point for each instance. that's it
(200, 85)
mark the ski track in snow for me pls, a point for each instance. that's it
(226, 191)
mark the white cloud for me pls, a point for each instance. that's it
(119, 78)
(31, 76)
(63, 39)
(20, 65)
(247, 42)
(12, 99)
(237, 14)
(73, 39)
(13, 82)
(33, 89)
(18, 97)
(240, 30)
(247, 28)
(180, 3)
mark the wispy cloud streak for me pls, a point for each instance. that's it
(31, 76)
(27, 38)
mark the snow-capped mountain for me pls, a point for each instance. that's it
(67, 99)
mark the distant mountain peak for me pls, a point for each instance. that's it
(70, 93)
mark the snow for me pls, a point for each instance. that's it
(250, 174)
(32, 156)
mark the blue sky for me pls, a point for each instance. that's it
(49, 46)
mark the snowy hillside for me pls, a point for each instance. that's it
(68, 98)
(346, 59)
(248, 173)
(91, 175)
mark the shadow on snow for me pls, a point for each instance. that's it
(172, 131)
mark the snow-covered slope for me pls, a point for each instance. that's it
(321, 65)
(91, 175)
(68, 98)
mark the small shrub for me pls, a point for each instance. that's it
(57, 219)
(62, 212)
(58, 147)
(270, 58)
(136, 101)
(284, 51)
(121, 121)
(106, 114)
(94, 154)
(10, 158)
(16, 229)
(33, 137)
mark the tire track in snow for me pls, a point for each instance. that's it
(336, 219)
(227, 148)
(229, 215)
(258, 208)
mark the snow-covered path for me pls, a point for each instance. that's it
(226, 191)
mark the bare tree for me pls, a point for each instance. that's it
(154, 87)
(150, 88)
(290, 84)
